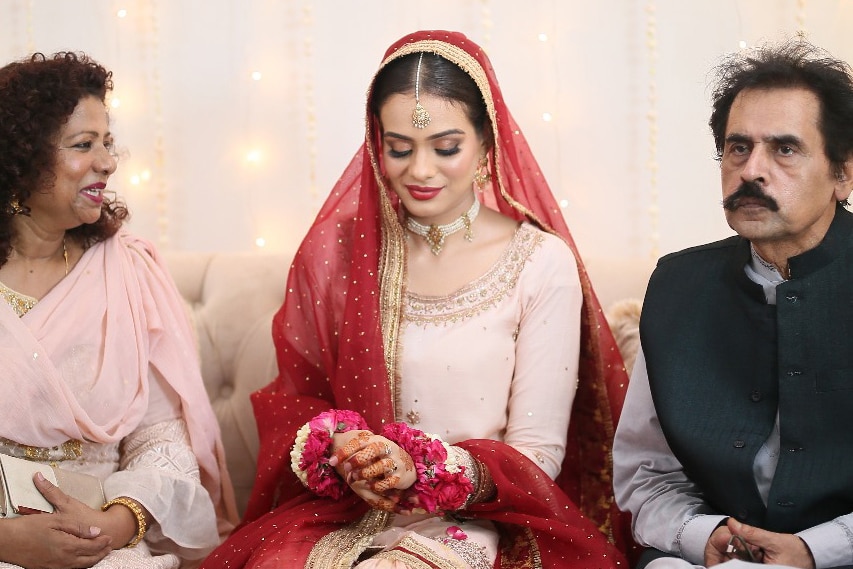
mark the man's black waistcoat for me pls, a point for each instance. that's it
(721, 362)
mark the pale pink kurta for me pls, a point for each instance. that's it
(107, 361)
(497, 359)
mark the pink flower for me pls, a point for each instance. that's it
(456, 532)
(316, 447)
(435, 489)
(310, 454)
(451, 490)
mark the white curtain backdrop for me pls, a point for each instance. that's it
(237, 116)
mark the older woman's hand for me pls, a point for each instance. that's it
(65, 538)
(376, 469)
(118, 523)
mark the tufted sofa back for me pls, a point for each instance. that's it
(232, 298)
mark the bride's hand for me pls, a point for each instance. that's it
(376, 469)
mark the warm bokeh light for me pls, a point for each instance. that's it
(547, 117)
(253, 156)
(260, 242)
(121, 13)
(256, 75)
(543, 37)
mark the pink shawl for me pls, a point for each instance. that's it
(77, 365)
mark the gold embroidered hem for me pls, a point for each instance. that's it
(481, 294)
(341, 549)
(418, 556)
(519, 550)
(69, 450)
(20, 303)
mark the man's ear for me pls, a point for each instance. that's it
(844, 181)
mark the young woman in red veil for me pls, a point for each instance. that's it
(438, 332)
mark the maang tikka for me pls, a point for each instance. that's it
(420, 116)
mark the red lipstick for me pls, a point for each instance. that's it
(423, 192)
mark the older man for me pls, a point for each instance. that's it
(736, 439)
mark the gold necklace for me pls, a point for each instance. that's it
(64, 255)
(436, 234)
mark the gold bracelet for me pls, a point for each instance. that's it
(141, 526)
(486, 489)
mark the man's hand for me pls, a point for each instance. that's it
(778, 548)
(765, 546)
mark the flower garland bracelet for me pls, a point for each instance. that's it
(441, 484)
(309, 457)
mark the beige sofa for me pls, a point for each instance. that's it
(233, 297)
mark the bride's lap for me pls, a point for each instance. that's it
(429, 538)
(396, 554)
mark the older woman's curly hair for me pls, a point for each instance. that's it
(37, 96)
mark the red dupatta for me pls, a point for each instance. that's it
(336, 339)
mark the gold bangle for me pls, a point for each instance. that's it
(486, 489)
(141, 525)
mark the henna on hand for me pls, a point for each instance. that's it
(353, 446)
(379, 469)
(375, 451)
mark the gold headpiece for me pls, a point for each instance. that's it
(420, 116)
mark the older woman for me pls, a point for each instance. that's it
(99, 369)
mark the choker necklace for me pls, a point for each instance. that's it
(436, 234)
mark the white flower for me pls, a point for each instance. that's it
(296, 453)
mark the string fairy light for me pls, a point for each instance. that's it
(161, 192)
(652, 116)
(801, 18)
(310, 103)
(487, 24)
(31, 41)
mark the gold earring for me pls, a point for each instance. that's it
(482, 176)
(15, 207)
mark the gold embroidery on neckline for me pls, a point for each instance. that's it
(20, 303)
(481, 294)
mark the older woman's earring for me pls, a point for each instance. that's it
(420, 116)
(15, 207)
(482, 176)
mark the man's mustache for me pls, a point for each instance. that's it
(749, 190)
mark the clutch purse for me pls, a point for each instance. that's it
(17, 489)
